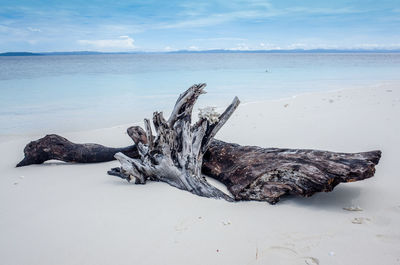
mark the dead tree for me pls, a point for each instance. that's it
(180, 153)
(175, 154)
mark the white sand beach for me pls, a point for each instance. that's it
(62, 213)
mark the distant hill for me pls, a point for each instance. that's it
(73, 53)
(19, 54)
(49, 53)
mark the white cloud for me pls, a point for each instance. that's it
(253, 10)
(220, 18)
(192, 9)
(322, 11)
(241, 47)
(122, 29)
(260, 4)
(220, 39)
(4, 29)
(122, 43)
(194, 48)
(269, 46)
(32, 42)
(34, 29)
(193, 23)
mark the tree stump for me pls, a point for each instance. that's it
(175, 154)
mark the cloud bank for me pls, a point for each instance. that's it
(121, 43)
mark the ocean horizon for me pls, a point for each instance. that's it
(91, 52)
(42, 94)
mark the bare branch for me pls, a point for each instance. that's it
(214, 128)
(184, 104)
(149, 134)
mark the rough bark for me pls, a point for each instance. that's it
(179, 150)
(267, 174)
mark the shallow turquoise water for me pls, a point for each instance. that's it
(57, 93)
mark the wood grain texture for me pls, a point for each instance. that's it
(267, 174)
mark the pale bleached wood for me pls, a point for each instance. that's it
(175, 155)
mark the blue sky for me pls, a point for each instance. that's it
(122, 25)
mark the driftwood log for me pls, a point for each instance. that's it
(181, 153)
(175, 154)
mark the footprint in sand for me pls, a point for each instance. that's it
(395, 209)
(279, 255)
(185, 224)
(392, 239)
(360, 220)
(17, 181)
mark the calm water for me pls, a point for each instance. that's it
(58, 93)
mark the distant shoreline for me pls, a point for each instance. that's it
(196, 52)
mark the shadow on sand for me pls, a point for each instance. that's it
(341, 196)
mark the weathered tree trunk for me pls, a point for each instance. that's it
(179, 150)
(266, 174)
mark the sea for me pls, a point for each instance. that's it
(58, 93)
